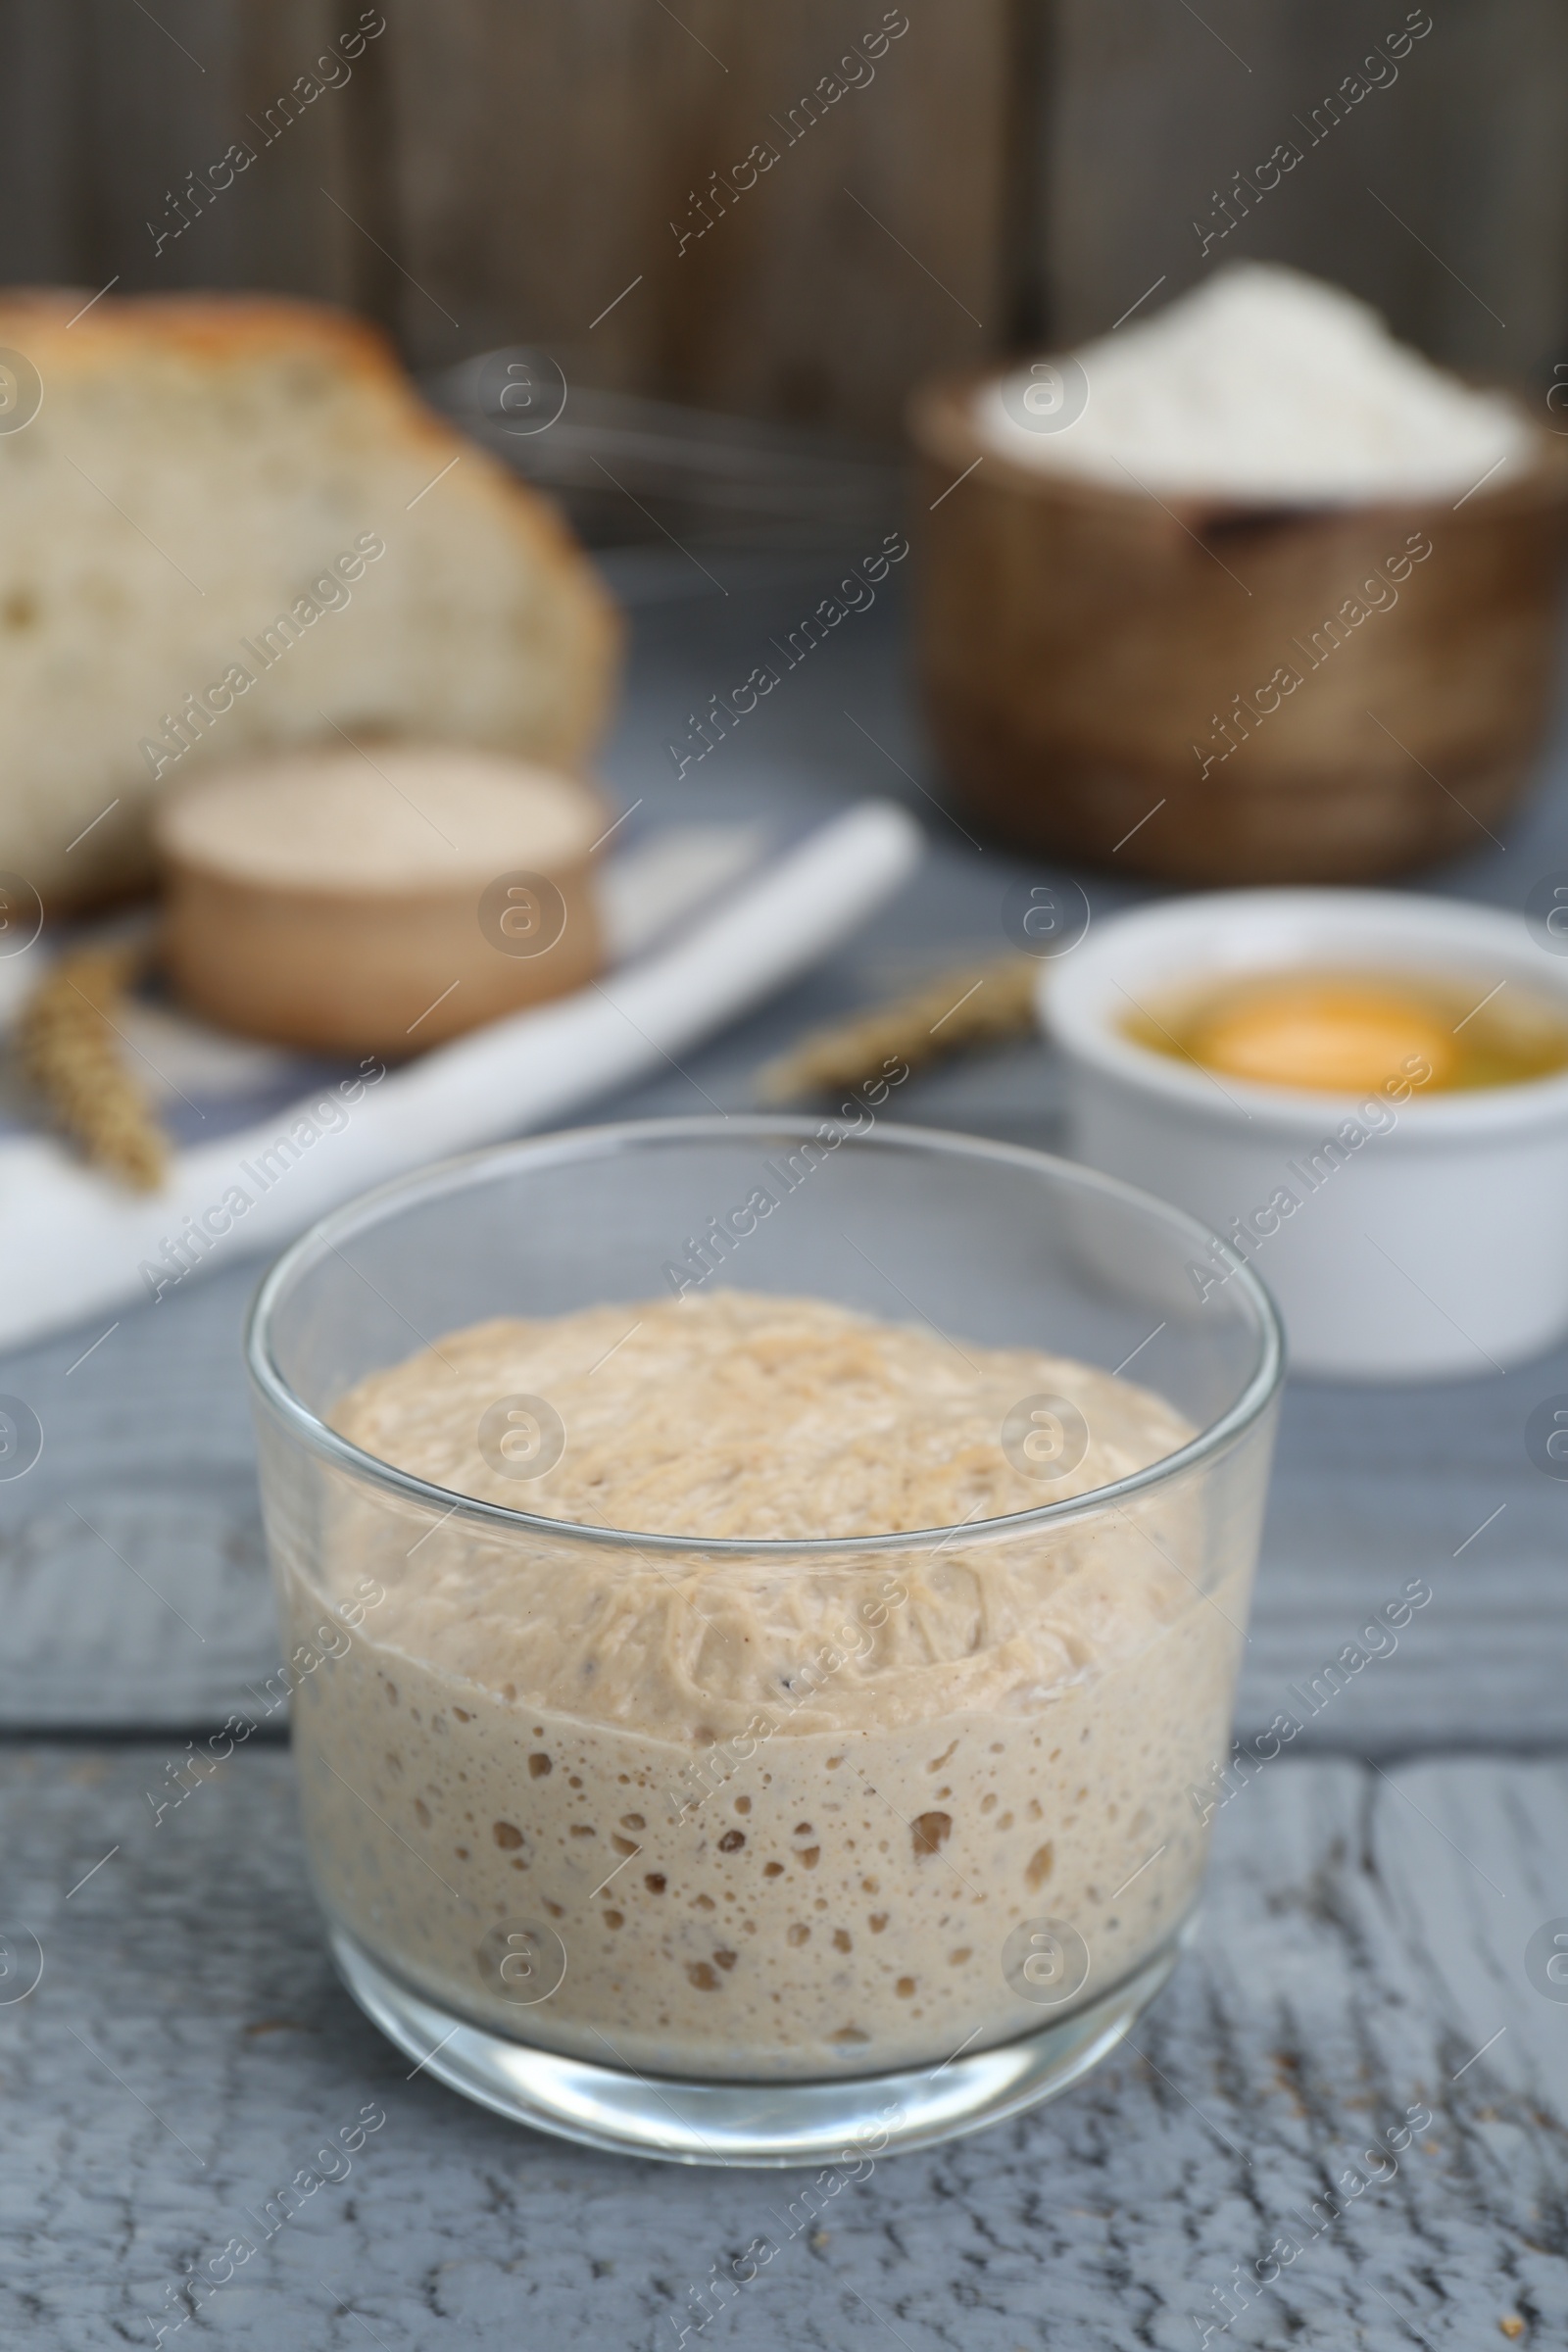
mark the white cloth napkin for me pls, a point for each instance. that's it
(76, 1244)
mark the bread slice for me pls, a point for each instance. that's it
(230, 527)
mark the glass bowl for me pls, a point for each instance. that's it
(909, 1859)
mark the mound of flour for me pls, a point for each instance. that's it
(1261, 384)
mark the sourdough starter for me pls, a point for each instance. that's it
(773, 1817)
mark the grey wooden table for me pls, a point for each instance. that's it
(1372, 1960)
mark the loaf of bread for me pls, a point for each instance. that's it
(228, 526)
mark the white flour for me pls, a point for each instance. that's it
(1260, 385)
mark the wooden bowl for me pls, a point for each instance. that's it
(1185, 687)
(346, 902)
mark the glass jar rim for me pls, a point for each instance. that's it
(451, 1174)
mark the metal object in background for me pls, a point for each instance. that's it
(628, 469)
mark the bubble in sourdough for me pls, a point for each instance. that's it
(774, 1816)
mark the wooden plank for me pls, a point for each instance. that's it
(516, 167)
(1438, 193)
(305, 213)
(45, 210)
(223, 93)
(496, 171)
(1360, 1955)
(109, 110)
(1492, 194)
(154, 105)
(543, 159)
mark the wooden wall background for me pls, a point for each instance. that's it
(500, 169)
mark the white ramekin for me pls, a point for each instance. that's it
(1436, 1245)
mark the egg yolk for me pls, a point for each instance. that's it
(1338, 1037)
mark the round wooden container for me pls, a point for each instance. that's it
(381, 901)
(1230, 693)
